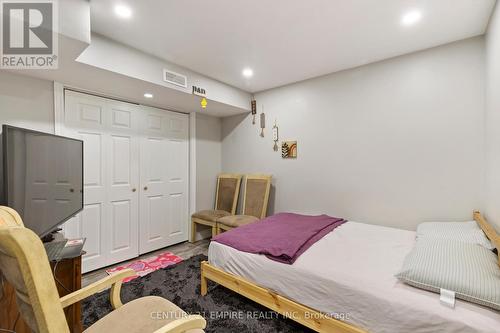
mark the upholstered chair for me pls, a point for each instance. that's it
(226, 202)
(24, 264)
(255, 202)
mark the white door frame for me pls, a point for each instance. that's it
(192, 169)
(59, 123)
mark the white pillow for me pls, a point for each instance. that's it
(466, 232)
(469, 270)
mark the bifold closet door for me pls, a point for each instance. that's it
(135, 178)
(84, 119)
(110, 217)
(164, 178)
(122, 162)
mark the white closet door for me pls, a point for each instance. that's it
(178, 176)
(135, 178)
(122, 181)
(85, 119)
(164, 149)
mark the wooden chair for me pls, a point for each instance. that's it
(255, 202)
(226, 202)
(24, 264)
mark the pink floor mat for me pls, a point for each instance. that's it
(145, 266)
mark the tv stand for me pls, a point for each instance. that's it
(69, 278)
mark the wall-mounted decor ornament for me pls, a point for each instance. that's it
(199, 91)
(275, 136)
(204, 103)
(262, 123)
(289, 149)
(254, 110)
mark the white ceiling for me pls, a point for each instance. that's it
(285, 41)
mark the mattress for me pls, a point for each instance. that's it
(349, 274)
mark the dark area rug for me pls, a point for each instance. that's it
(180, 284)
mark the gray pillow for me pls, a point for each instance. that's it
(467, 232)
(469, 270)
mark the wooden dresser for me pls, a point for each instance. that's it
(69, 278)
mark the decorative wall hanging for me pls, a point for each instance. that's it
(254, 110)
(204, 103)
(289, 149)
(198, 91)
(262, 123)
(275, 136)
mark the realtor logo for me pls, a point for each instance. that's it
(29, 39)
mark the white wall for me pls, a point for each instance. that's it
(492, 179)
(26, 102)
(207, 152)
(208, 159)
(393, 143)
(133, 63)
(74, 19)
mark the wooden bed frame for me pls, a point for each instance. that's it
(490, 232)
(304, 315)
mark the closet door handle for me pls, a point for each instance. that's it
(133, 190)
(145, 188)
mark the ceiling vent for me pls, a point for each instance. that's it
(175, 78)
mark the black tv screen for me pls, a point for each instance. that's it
(42, 177)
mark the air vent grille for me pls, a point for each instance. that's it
(175, 78)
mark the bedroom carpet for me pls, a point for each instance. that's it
(224, 310)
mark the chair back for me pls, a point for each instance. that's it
(256, 197)
(228, 190)
(24, 264)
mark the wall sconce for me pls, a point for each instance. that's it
(204, 103)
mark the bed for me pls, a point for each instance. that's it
(345, 283)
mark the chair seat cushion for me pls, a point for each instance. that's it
(210, 215)
(145, 314)
(237, 220)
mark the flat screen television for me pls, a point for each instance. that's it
(42, 177)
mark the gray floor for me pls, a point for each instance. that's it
(184, 250)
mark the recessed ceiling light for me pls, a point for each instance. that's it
(247, 72)
(412, 17)
(123, 11)
(148, 95)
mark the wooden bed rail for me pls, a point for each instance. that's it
(308, 317)
(489, 231)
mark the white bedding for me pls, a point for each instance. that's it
(350, 272)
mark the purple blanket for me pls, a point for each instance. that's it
(282, 237)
